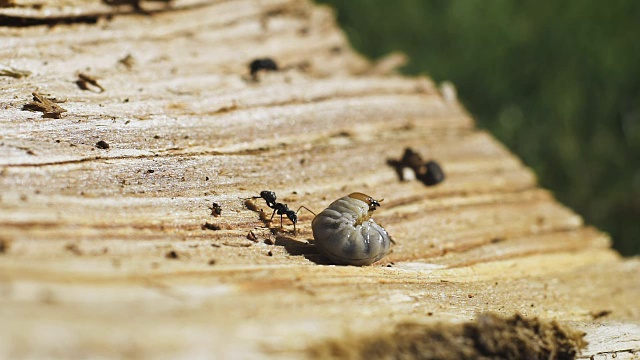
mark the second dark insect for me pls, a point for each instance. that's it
(265, 64)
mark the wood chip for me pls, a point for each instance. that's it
(48, 108)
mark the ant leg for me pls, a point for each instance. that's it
(305, 208)
(280, 221)
(272, 214)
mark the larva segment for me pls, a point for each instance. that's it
(345, 234)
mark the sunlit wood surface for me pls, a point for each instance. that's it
(105, 252)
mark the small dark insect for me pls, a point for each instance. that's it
(216, 209)
(434, 174)
(266, 64)
(429, 173)
(102, 144)
(280, 208)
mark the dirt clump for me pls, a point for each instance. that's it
(489, 336)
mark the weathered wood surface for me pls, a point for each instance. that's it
(103, 251)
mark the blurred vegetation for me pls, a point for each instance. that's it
(558, 82)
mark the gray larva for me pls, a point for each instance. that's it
(345, 233)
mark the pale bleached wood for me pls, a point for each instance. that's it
(103, 250)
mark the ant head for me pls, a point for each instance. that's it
(373, 204)
(268, 196)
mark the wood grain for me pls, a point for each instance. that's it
(103, 252)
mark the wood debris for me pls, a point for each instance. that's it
(85, 80)
(13, 72)
(128, 61)
(45, 105)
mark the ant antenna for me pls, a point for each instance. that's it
(301, 207)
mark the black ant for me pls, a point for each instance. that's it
(283, 209)
(280, 208)
(268, 196)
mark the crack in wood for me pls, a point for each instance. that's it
(23, 21)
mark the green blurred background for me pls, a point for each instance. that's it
(558, 82)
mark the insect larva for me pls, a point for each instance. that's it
(345, 233)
